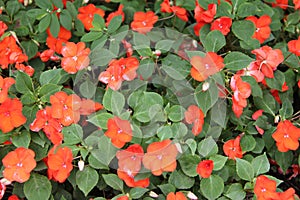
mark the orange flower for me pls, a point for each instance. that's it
(181, 13)
(13, 197)
(59, 162)
(56, 44)
(143, 22)
(119, 131)
(176, 196)
(118, 71)
(3, 28)
(130, 182)
(265, 188)
(294, 45)
(203, 67)
(262, 24)
(232, 148)
(198, 27)
(287, 195)
(10, 52)
(51, 127)
(5, 84)
(161, 157)
(202, 15)
(26, 69)
(267, 60)
(11, 115)
(65, 108)
(194, 115)
(86, 15)
(114, 14)
(75, 57)
(205, 168)
(297, 4)
(49, 54)
(123, 198)
(222, 24)
(255, 116)
(18, 164)
(88, 107)
(281, 3)
(130, 159)
(286, 136)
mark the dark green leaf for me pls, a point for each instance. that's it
(72, 134)
(114, 24)
(260, 164)
(137, 193)
(212, 187)
(91, 36)
(236, 61)
(114, 101)
(180, 180)
(23, 83)
(87, 179)
(235, 191)
(21, 139)
(188, 164)
(214, 41)
(54, 25)
(244, 169)
(47, 90)
(207, 147)
(37, 187)
(113, 181)
(65, 19)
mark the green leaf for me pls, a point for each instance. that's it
(244, 169)
(146, 68)
(55, 76)
(28, 99)
(236, 4)
(72, 9)
(140, 40)
(136, 193)
(113, 181)
(214, 41)
(101, 57)
(180, 180)
(12, 7)
(87, 179)
(98, 23)
(164, 45)
(267, 103)
(54, 25)
(247, 143)
(236, 61)
(284, 159)
(21, 139)
(260, 164)
(72, 134)
(176, 113)
(47, 90)
(212, 187)
(114, 101)
(91, 36)
(286, 110)
(192, 144)
(37, 187)
(100, 119)
(277, 81)
(114, 24)
(46, 4)
(65, 19)
(87, 89)
(256, 90)
(105, 152)
(23, 83)
(188, 164)
(207, 99)
(243, 29)
(164, 132)
(167, 188)
(30, 48)
(219, 161)
(246, 9)
(207, 147)
(235, 191)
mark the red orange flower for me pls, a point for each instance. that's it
(255, 116)
(205, 168)
(297, 4)
(26, 69)
(202, 15)
(287, 195)
(143, 22)
(176, 196)
(88, 107)
(181, 13)
(86, 15)
(194, 115)
(130, 159)
(18, 164)
(49, 54)
(123, 198)
(286, 136)
(161, 157)
(222, 24)
(75, 57)
(56, 44)
(281, 3)
(265, 188)
(11, 115)
(242, 91)
(59, 162)
(203, 67)
(65, 108)
(13, 197)
(51, 127)
(294, 46)
(262, 24)
(116, 13)
(232, 148)
(267, 60)
(2, 189)
(130, 182)
(5, 84)
(119, 131)
(3, 28)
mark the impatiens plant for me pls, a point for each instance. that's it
(152, 99)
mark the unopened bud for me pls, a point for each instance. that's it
(277, 118)
(178, 146)
(5, 181)
(205, 86)
(153, 194)
(157, 52)
(192, 195)
(195, 43)
(81, 165)
(85, 1)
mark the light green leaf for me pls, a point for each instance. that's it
(214, 41)
(207, 147)
(72, 134)
(37, 187)
(244, 169)
(260, 164)
(113, 181)
(87, 179)
(114, 101)
(212, 187)
(236, 61)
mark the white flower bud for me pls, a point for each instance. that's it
(81, 165)
(192, 195)
(195, 43)
(85, 1)
(5, 181)
(157, 52)
(205, 86)
(277, 119)
(153, 194)
(178, 146)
